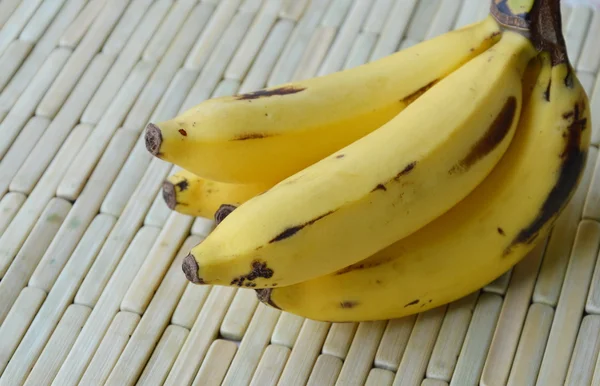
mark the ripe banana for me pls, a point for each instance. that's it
(378, 189)
(480, 238)
(189, 194)
(268, 135)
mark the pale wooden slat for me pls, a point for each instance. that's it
(17, 21)
(82, 55)
(167, 29)
(154, 321)
(407, 43)
(202, 334)
(315, 53)
(215, 365)
(156, 264)
(39, 54)
(222, 20)
(512, 316)
(585, 353)
(500, 284)
(215, 62)
(110, 348)
(239, 314)
(575, 31)
(305, 352)
(336, 13)
(25, 105)
(531, 345)
(16, 323)
(379, 12)
(361, 50)
(297, 43)
(190, 304)
(451, 337)
(121, 235)
(589, 60)
(127, 24)
(168, 66)
(325, 371)
(591, 207)
(413, 365)
(267, 57)
(393, 29)
(595, 106)
(469, 13)
(336, 57)
(202, 226)
(87, 159)
(477, 342)
(250, 6)
(9, 206)
(556, 258)
(422, 19)
(159, 212)
(30, 254)
(105, 309)
(20, 149)
(362, 353)
(158, 366)
(58, 346)
(58, 299)
(270, 366)
(380, 377)
(7, 7)
(77, 30)
(293, 9)
(252, 346)
(587, 80)
(84, 210)
(443, 19)
(132, 171)
(10, 61)
(13, 237)
(253, 40)
(393, 343)
(433, 382)
(3, 115)
(125, 62)
(67, 117)
(287, 329)
(570, 305)
(338, 339)
(40, 20)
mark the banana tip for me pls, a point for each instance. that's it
(168, 192)
(153, 139)
(223, 211)
(264, 296)
(190, 269)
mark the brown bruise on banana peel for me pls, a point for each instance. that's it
(573, 161)
(153, 139)
(190, 269)
(415, 95)
(279, 91)
(247, 136)
(258, 269)
(363, 265)
(413, 303)
(407, 169)
(289, 232)
(348, 304)
(493, 137)
(264, 296)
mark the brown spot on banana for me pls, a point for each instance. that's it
(407, 169)
(279, 91)
(190, 269)
(153, 139)
(547, 92)
(348, 304)
(183, 132)
(362, 265)
(501, 231)
(245, 137)
(258, 269)
(415, 95)
(414, 302)
(340, 156)
(379, 187)
(492, 137)
(182, 185)
(289, 232)
(264, 296)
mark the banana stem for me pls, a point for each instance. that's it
(539, 20)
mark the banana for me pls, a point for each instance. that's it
(186, 193)
(268, 135)
(378, 189)
(492, 229)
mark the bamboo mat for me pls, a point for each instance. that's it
(91, 288)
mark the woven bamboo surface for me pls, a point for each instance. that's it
(91, 288)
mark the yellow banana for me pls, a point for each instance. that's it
(189, 194)
(268, 135)
(479, 239)
(378, 189)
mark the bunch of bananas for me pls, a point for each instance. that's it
(393, 187)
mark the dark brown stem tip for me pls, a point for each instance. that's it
(153, 139)
(190, 269)
(223, 211)
(168, 193)
(264, 296)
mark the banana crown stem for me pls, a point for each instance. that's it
(539, 20)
